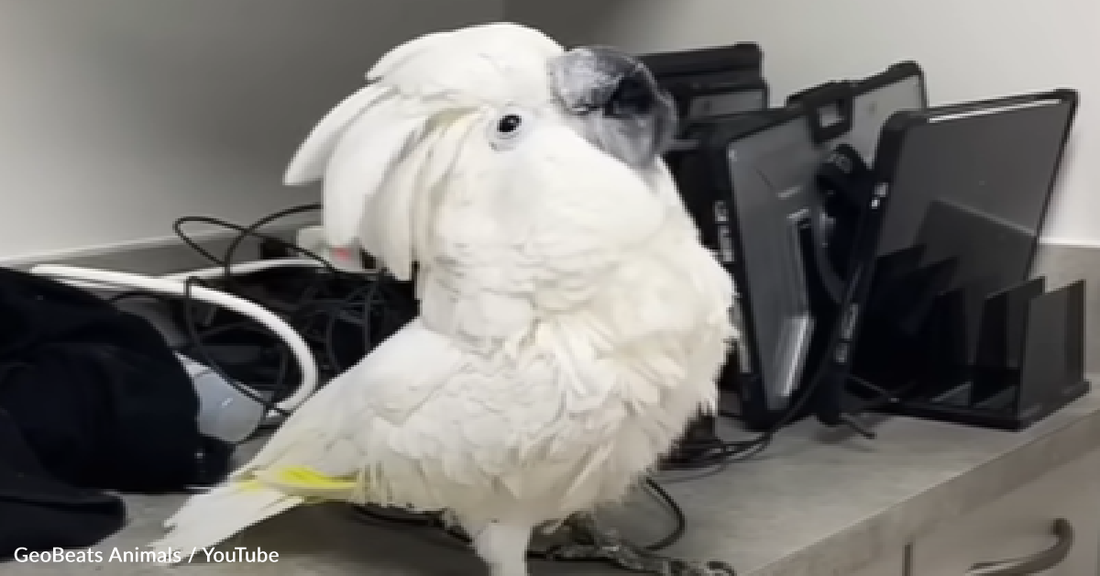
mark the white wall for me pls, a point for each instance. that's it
(968, 48)
(117, 116)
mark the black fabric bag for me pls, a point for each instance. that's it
(96, 399)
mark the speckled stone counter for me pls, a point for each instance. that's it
(815, 504)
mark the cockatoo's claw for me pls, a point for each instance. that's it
(590, 543)
(713, 568)
(643, 562)
(623, 556)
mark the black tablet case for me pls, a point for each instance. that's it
(752, 192)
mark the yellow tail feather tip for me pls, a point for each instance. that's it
(307, 478)
(252, 484)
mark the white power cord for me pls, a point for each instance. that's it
(246, 268)
(175, 285)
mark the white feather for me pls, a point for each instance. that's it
(395, 219)
(308, 163)
(362, 161)
(488, 63)
(236, 508)
(398, 56)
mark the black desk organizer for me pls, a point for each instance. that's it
(1030, 359)
(953, 330)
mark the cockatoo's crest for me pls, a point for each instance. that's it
(384, 149)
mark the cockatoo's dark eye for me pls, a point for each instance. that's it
(506, 130)
(509, 124)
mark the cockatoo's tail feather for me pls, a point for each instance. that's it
(210, 518)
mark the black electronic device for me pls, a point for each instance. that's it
(708, 85)
(709, 82)
(757, 202)
(955, 328)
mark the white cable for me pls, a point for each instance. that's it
(215, 272)
(104, 279)
(246, 268)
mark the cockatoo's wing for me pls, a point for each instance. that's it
(327, 449)
(414, 422)
(335, 431)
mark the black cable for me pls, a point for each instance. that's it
(367, 293)
(243, 231)
(195, 337)
(436, 521)
(724, 452)
(255, 226)
(678, 516)
(198, 338)
(281, 383)
(177, 227)
(196, 342)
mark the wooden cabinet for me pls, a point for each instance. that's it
(1022, 525)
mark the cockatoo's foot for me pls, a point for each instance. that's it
(713, 568)
(591, 543)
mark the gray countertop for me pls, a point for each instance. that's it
(815, 504)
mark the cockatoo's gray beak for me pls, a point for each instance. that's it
(623, 110)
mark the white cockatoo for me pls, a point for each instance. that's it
(571, 323)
